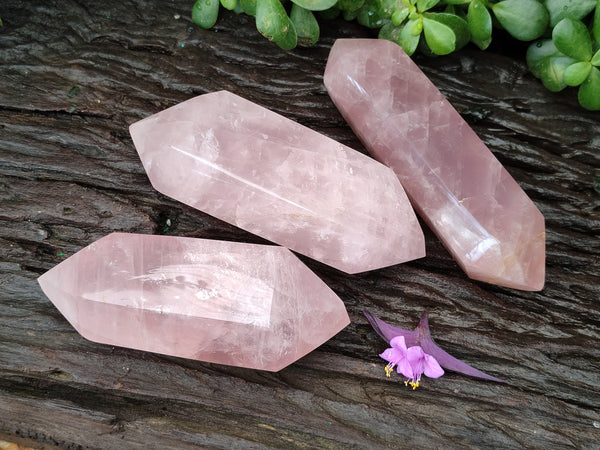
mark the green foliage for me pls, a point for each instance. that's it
(458, 26)
(229, 4)
(589, 92)
(559, 9)
(371, 14)
(272, 20)
(480, 24)
(205, 12)
(438, 27)
(596, 24)
(350, 5)
(572, 38)
(409, 40)
(248, 6)
(307, 27)
(523, 19)
(315, 5)
(290, 40)
(576, 73)
(439, 37)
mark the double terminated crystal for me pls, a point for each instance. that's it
(246, 305)
(476, 208)
(268, 175)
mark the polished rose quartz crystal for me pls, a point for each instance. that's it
(271, 176)
(476, 208)
(247, 305)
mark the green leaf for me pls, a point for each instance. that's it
(559, 9)
(456, 2)
(349, 15)
(538, 53)
(315, 5)
(350, 5)
(480, 24)
(424, 5)
(307, 27)
(589, 91)
(238, 8)
(387, 7)
(552, 70)
(407, 40)
(596, 59)
(390, 32)
(329, 14)
(229, 4)
(272, 20)
(399, 15)
(417, 27)
(439, 37)
(290, 40)
(576, 73)
(596, 24)
(523, 19)
(249, 7)
(458, 25)
(572, 38)
(205, 13)
(370, 15)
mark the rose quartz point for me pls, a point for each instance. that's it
(485, 220)
(247, 305)
(273, 177)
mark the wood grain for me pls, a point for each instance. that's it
(75, 74)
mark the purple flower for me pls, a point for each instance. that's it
(397, 356)
(411, 362)
(420, 339)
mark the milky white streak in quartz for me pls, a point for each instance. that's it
(247, 305)
(486, 221)
(273, 177)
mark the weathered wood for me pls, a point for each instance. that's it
(74, 75)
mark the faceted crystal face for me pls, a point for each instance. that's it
(264, 173)
(247, 305)
(455, 183)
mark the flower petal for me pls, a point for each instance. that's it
(392, 355)
(416, 357)
(431, 368)
(405, 369)
(399, 343)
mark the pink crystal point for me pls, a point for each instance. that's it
(247, 305)
(271, 176)
(476, 208)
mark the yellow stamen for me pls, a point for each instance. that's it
(388, 370)
(414, 384)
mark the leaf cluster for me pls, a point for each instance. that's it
(571, 55)
(288, 26)
(567, 55)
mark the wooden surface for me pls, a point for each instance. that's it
(74, 75)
